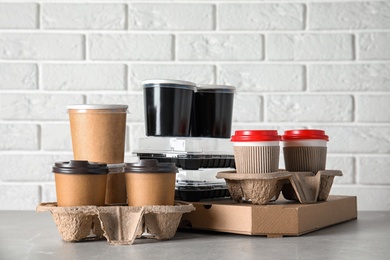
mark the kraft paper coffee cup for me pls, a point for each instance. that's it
(98, 132)
(116, 185)
(168, 105)
(256, 151)
(212, 111)
(80, 183)
(149, 182)
(305, 150)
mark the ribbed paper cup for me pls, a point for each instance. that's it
(256, 151)
(305, 150)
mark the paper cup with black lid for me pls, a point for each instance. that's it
(256, 151)
(98, 132)
(167, 107)
(212, 111)
(80, 183)
(305, 150)
(149, 182)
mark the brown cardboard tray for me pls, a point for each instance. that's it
(278, 219)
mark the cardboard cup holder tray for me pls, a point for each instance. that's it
(262, 188)
(120, 225)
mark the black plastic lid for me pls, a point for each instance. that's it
(150, 166)
(80, 167)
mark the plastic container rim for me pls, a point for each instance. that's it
(97, 108)
(168, 83)
(215, 88)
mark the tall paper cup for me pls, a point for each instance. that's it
(305, 150)
(149, 182)
(256, 151)
(98, 132)
(80, 183)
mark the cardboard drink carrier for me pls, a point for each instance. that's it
(254, 208)
(120, 225)
(82, 214)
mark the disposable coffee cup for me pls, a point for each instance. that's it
(98, 132)
(256, 151)
(116, 185)
(212, 111)
(80, 183)
(167, 106)
(149, 182)
(305, 150)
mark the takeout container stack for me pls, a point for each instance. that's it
(189, 124)
(257, 178)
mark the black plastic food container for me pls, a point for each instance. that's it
(212, 111)
(168, 105)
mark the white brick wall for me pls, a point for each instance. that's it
(319, 63)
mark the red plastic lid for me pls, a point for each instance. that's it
(304, 134)
(255, 136)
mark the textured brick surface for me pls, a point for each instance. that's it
(29, 167)
(84, 16)
(309, 47)
(56, 137)
(37, 106)
(295, 64)
(19, 137)
(220, 47)
(43, 46)
(84, 76)
(373, 108)
(353, 15)
(374, 170)
(350, 77)
(152, 16)
(130, 47)
(248, 108)
(19, 196)
(18, 16)
(261, 17)
(358, 139)
(309, 108)
(267, 78)
(374, 46)
(18, 76)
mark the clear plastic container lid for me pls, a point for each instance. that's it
(204, 175)
(169, 83)
(99, 108)
(184, 145)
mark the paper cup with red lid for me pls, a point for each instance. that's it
(305, 150)
(256, 151)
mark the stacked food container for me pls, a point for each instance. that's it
(189, 125)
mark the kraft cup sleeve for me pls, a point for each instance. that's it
(256, 159)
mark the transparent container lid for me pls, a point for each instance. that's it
(185, 145)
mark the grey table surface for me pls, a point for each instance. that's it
(31, 235)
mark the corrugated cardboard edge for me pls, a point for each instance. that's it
(276, 220)
(119, 224)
